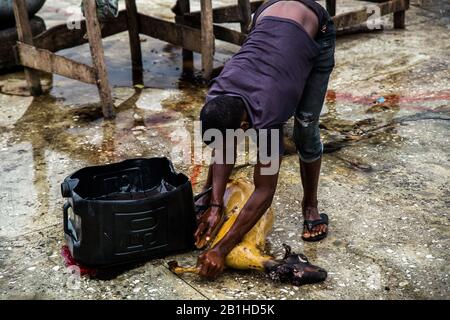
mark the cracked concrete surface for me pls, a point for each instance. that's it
(384, 183)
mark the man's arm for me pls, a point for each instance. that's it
(211, 263)
(209, 220)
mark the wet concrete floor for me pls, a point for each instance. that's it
(384, 182)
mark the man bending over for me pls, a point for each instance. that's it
(282, 70)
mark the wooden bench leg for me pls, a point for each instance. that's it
(25, 36)
(98, 58)
(135, 43)
(246, 14)
(399, 20)
(400, 17)
(207, 38)
(331, 7)
(184, 6)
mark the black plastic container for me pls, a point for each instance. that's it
(127, 212)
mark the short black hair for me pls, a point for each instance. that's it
(221, 113)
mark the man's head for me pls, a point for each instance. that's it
(224, 112)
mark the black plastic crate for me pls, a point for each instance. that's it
(127, 212)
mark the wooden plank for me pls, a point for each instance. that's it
(178, 35)
(47, 61)
(246, 14)
(25, 36)
(360, 16)
(207, 38)
(60, 37)
(393, 6)
(226, 13)
(135, 41)
(229, 35)
(184, 7)
(331, 7)
(361, 28)
(98, 58)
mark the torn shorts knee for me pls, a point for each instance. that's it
(307, 137)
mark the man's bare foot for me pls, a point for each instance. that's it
(316, 225)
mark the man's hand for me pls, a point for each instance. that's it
(254, 208)
(211, 263)
(207, 224)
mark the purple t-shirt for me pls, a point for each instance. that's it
(269, 72)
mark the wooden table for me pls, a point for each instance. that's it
(192, 31)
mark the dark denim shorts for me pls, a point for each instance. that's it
(306, 128)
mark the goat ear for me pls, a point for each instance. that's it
(287, 252)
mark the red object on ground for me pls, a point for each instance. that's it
(69, 262)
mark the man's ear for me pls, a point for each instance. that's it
(245, 125)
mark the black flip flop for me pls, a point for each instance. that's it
(310, 224)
